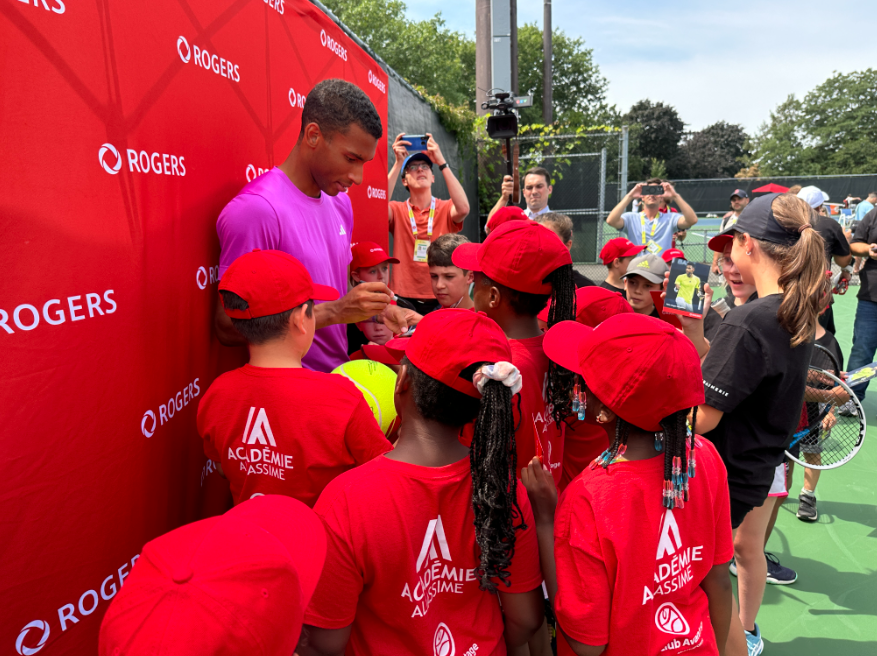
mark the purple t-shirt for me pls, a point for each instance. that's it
(271, 213)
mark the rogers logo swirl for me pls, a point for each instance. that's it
(182, 43)
(374, 192)
(109, 148)
(207, 276)
(296, 99)
(376, 81)
(253, 172)
(333, 45)
(149, 415)
(39, 625)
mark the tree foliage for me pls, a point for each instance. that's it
(832, 130)
(656, 130)
(717, 151)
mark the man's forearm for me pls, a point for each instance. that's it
(687, 212)
(326, 314)
(392, 176)
(502, 202)
(614, 219)
(457, 194)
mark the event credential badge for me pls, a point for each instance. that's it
(420, 247)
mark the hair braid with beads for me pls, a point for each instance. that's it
(562, 307)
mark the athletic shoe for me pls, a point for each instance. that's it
(754, 643)
(848, 409)
(733, 567)
(807, 507)
(776, 573)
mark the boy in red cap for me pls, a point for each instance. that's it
(370, 263)
(274, 427)
(405, 571)
(519, 267)
(635, 576)
(450, 283)
(504, 215)
(616, 255)
(228, 585)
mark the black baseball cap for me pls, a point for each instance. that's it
(758, 220)
(740, 193)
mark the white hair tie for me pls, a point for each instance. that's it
(505, 372)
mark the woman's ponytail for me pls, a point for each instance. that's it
(493, 460)
(802, 268)
(562, 307)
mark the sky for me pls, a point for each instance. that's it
(711, 61)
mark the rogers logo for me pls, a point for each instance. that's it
(207, 276)
(296, 99)
(167, 410)
(333, 45)
(36, 624)
(112, 169)
(27, 317)
(181, 44)
(60, 8)
(375, 80)
(141, 161)
(276, 5)
(373, 192)
(203, 59)
(253, 173)
(443, 641)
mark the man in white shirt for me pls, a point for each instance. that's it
(537, 188)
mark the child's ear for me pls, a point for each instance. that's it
(403, 381)
(495, 299)
(470, 277)
(354, 273)
(297, 320)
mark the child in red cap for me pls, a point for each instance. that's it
(616, 255)
(274, 427)
(369, 263)
(225, 586)
(643, 536)
(519, 267)
(405, 571)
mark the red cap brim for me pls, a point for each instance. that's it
(561, 344)
(719, 242)
(633, 251)
(465, 256)
(390, 353)
(325, 293)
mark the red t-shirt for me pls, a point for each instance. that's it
(536, 422)
(582, 442)
(401, 557)
(628, 569)
(286, 431)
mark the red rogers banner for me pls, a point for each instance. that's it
(125, 128)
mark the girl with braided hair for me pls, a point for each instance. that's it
(642, 537)
(405, 571)
(521, 267)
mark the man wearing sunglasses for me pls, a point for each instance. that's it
(421, 219)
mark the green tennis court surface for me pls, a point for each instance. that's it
(832, 608)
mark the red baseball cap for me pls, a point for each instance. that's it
(671, 254)
(503, 215)
(448, 342)
(640, 367)
(271, 282)
(518, 254)
(594, 305)
(368, 254)
(390, 353)
(619, 247)
(234, 584)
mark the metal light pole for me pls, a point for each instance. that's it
(547, 83)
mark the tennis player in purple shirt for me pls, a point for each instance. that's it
(301, 207)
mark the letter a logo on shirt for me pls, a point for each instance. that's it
(669, 536)
(437, 531)
(341, 230)
(261, 432)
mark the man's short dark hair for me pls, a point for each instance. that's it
(537, 170)
(262, 329)
(440, 251)
(654, 181)
(335, 105)
(872, 193)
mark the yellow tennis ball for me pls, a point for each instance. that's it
(377, 383)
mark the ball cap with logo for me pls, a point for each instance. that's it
(642, 368)
(758, 220)
(368, 254)
(619, 247)
(229, 585)
(518, 254)
(594, 305)
(649, 266)
(271, 282)
(671, 254)
(449, 343)
(739, 193)
(504, 215)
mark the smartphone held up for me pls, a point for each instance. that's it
(418, 142)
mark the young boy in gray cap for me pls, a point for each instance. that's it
(645, 274)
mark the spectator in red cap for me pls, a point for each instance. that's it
(519, 268)
(422, 218)
(225, 586)
(502, 215)
(450, 283)
(405, 571)
(645, 274)
(275, 427)
(616, 255)
(370, 263)
(669, 255)
(620, 586)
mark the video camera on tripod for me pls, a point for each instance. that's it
(502, 124)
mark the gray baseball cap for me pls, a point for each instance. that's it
(651, 267)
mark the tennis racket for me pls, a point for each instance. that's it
(824, 359)
(825, 438)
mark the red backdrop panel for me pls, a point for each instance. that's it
(124, 129)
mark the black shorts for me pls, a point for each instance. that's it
(739, 510)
